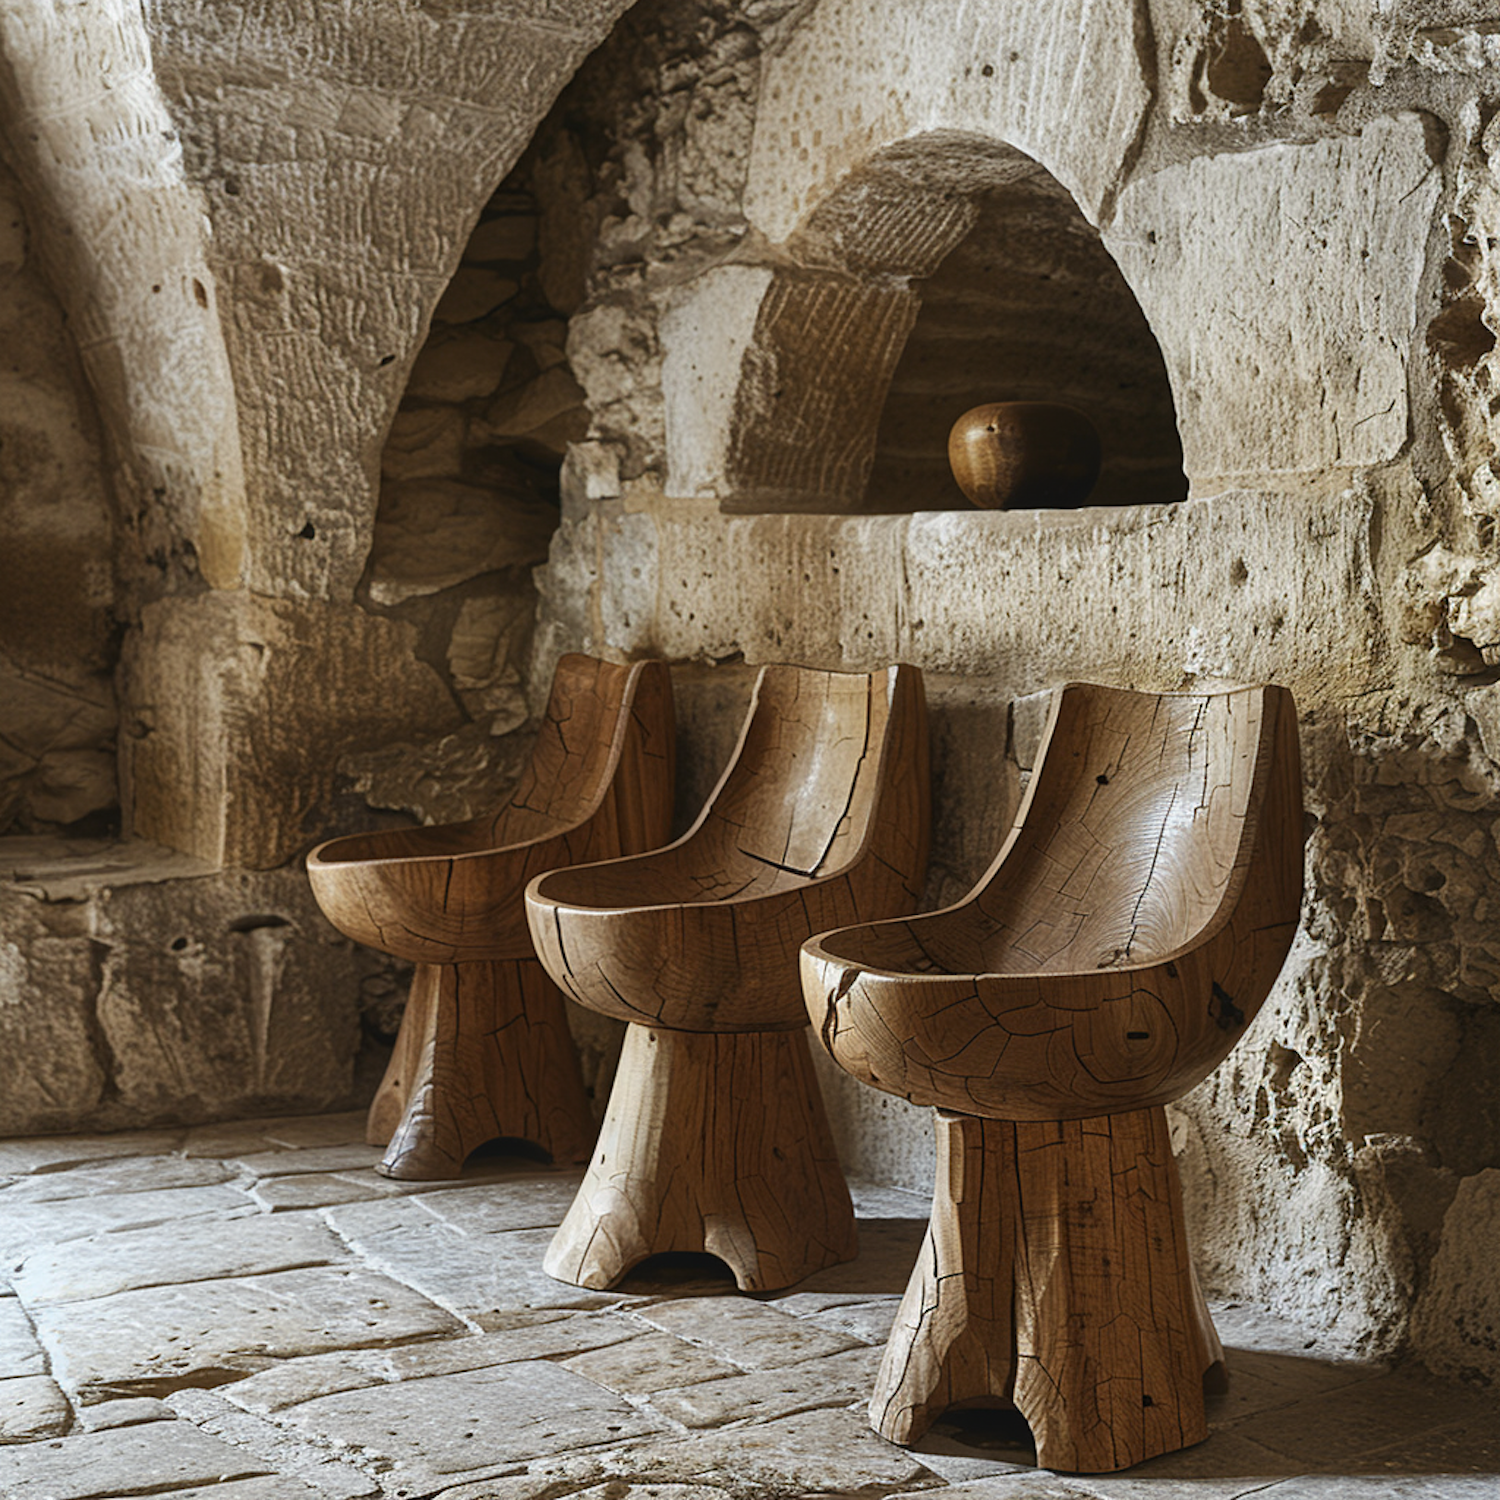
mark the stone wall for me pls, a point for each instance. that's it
(1299, 200)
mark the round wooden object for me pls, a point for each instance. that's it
(1024, 455)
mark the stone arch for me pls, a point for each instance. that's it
(947, 270)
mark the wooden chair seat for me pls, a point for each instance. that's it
(484, 1050)
(1114, 953)
(715, 1137)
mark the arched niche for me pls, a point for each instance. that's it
(947, 271)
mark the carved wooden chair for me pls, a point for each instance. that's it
(484, 1049)
(1129, 930)
(715, 1138)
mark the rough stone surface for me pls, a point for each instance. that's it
(105, 1465)
(160, 1339)
(1329, 250)
(139, 992)
(56, 579)
(32, 1406)
(228, 756)
(1063, 84)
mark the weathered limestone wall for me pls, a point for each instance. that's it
(1301, 202)
(228, 233)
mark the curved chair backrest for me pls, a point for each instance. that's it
(573, 762)
(1146, 818)
(820, 758)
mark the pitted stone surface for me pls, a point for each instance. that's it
(444, 1427)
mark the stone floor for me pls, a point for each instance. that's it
(249, 1312)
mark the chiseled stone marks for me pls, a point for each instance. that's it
(1281, 285)
(127, 225)
(1064, 83)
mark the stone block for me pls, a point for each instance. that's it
(434, 533)
(488, 1280)
(1282, 287)
(488, 656)
(1063, 83)
(462, 368)
(752, 1335)
(650, 1364)
(834, 1380)
(425, 442)
(160, 1339)
(509, 237)
(20, 1354)
(230, 754)
(1456, 1326)
(472, 294)
(174, 1253)
(706, 332)
(32, 1407)
(441, 1430)
(104, 1465)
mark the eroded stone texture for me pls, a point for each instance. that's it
(345, 160)
(1064, 84)
(1288, 336)
(240, 708)
(153, 994)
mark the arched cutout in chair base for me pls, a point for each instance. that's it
(484, 1052)
(716, 1142)
(1055, 1276)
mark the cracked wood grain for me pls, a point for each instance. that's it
(484, 1049)
(1127, 933)
(821, 818)
(1055, 1278)
(718, 1143)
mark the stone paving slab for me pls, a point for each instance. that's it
(271, 1487)
(293, 1161)
(140, 1174)
(485, 1279)
(752, 1335)
(20, 1353)
(195, 1250)
(299, 1380)
(822, 1452)
(300, 1131)
(53, 1153)
(837, 1380)
(650, 1362)
(1328, 1429)
(326, 1190)
(423, 1434)
(29, 1228)
(125, 1412)
(123, 1461)
(537, 1200)
(32, 1406)
(157, 1340)
(278, 1451)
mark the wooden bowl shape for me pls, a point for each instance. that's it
(715, 1137)
(1024, 455)
(484, 1049)
(1114, 953)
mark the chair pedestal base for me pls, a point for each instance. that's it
(712, 1142)
(1055, 1279)
(484, 1051)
